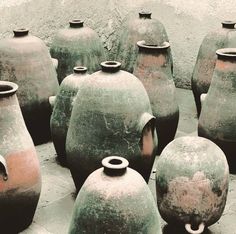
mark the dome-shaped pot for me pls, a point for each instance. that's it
(153, 68)
(111, 116)
(77, 45)
(192, 183)
(61, 114)
(217, 121)
(115, 199)
(206, 59)
(20, 179)
(25, 60)
(134, 29)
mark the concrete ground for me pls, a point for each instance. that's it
(58, 192)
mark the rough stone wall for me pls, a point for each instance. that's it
(186, 22)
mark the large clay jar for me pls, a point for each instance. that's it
(153, 68)
(77, 45)
(192, 180)
(134, 29)
(217, 121)
(20, 180)
(206, 59)
(111, 116)
(25, 60)
(62, 110)
(115, 199)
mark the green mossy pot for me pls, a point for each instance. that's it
(77, 45)
(111, 116)
(115, 199)
(153, 68)
(206, 59)
(61, 114)
(192, 180)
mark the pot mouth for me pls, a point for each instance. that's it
(110, 66)
(145, 14)
(142, 44)
(21, 32)
(115, 165)
(229, 53)
(7, 88)
(228, 24)
(80, 70)
(76, 23)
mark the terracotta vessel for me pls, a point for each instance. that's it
(111, 116)
(115, 199)
(77, 45)
(217, 119)
(25, 60)
(20, 180)
(62, 110)
(134, 29)
(206, 59)
(192, 183)
(153, 68)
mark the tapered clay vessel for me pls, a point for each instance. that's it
(206, 59)
(153, 68)
(192, 183)
(60, 118)
(25, 60)
(115, 199)
(20, 180)
(77, 45)
(217, 121)
(111, 116)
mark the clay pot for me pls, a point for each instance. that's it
(20, 180)
(192, 183)
(25, 60)
(217, 119)
(206, 59)
(111, 116)
(115, 199)
(62, 110)
(153, 68)
(134, 29)
(77, 45)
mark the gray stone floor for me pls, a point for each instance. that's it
(58, 192)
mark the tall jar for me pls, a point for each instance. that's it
(153, 68)
(20, 179)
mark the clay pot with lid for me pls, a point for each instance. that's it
(153, 68)
(192, 179)
(206, 59)
(77, 45)
(25, 60)
(134, 29)
(111, 116)
(62, 109)
(217, 121)
(115, 199)
(20, 179)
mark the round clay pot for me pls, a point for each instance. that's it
(206, 59)
(153, 68)
(25, 60)
(134, 29)
(115, 199)
(62, 110)
(192, 183)
(20, 179)
(217, 119)
(77, 45)
(111, 116)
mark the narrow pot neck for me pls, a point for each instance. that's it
(145, 15)
(227, 54)
(228, 24)
(21, 32)
(80, 70)
(110, 66)
(76, 23)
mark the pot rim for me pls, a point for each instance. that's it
(80, 69)
(145, 14)
(142, 44)
(7, 88)
(110, 66)
(76, 23)
(20, 32)
(228, 23)
(226, 52)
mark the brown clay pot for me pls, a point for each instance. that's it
(153, 68)
(206, 59)
(20, 180)
(115, 199)
(25, 60)
(217, 121)
(111, 116)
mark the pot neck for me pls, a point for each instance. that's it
(76, 23)
(227, 54)
(110, 66)
(80, 70)
(22, 32)
(228, 24)
(7, 89)
(145, 15)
